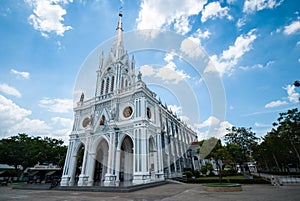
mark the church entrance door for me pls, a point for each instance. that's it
(101, 162)
(126, 160)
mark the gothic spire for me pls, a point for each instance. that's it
(119, 45)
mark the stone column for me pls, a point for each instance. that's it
(91, 168)
(82, 181)
(117, 166)
(110, 178)
(72, 170)
(65, 177)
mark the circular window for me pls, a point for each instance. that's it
(85, 122)
(127, 112)
(148, 113)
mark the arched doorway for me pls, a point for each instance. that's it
(79, 162)
(126, 160)
(152, 158)
(101, 162)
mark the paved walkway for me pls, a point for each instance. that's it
(169, 192)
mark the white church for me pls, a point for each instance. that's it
(125, 133)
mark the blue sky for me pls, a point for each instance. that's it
(253, 47)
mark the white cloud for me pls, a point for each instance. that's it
(275, 104)
(257, 66)
(218, 131)
(168, 73)
(65, 122)
(211, 121)
(10, 90)
(48, 15)
(201, 35)
(241, 22)
(190, 47)
(57, 105)
(293, 96)
(293, 28)
(184, 118)
(23, 75)
(214, 10)
(169, 57)
(215, 128)
(175, 109)
(147, 70)
(63, 127)
(30, 126)
(257, 124)
(175, 12)
(14, 119)
(182, 25)
(251, 6)
(241, 45)
(230, 57)
(10, 111)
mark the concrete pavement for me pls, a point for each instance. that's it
(168, 192)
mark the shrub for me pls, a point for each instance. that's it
(188, 174)
(230, 172)
(196, 173)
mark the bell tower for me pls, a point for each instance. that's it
(116, 72)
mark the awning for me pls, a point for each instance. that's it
(32, 173)
(50, 173)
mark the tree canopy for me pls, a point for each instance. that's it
(281, 146)
(28, 151)
(241, 139)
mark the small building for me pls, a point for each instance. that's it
(42, 173)
(8, 173)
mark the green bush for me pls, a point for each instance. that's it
(196, 173)
(203, 170)
(225, 180)
(230, 172)
(188, 174)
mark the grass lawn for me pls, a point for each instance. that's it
(223, 178)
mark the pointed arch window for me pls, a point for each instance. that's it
(102, 87)
(122, 83)
(107, 85)
(112, 83)
(126, 83)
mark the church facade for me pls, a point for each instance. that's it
(124, 133)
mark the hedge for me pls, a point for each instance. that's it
(224, 180)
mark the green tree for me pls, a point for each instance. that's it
(288, 128)
(281, 146)
(28, 151)
(242, 140)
